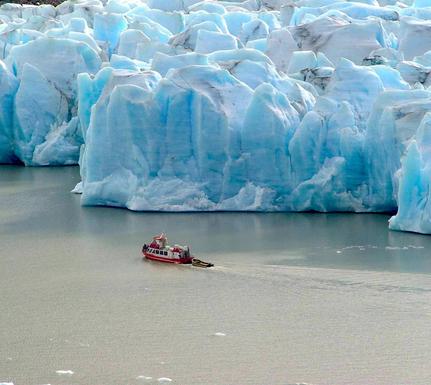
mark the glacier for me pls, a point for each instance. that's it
(255, 105)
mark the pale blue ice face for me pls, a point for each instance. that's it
(247, 105)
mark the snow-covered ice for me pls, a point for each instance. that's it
(251, 105)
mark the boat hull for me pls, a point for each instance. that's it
(178, 261)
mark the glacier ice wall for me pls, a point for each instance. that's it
(414, 211)
(260, 105)
(44, 103)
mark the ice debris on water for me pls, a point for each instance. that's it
(248, 105)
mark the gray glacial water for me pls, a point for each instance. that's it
(315, 298)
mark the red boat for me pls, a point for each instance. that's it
(158, 250)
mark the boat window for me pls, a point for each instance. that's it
(166, 253)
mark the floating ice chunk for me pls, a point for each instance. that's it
(65, 372)
(164, 380)
(219, 334)
(77, 189)
(144, 378)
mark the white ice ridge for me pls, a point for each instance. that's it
(255, 105)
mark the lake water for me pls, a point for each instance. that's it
(314, 298)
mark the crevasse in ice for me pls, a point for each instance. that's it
(267, 105)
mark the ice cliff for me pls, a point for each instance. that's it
(267, 105)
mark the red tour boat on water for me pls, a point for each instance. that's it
(159, 250)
